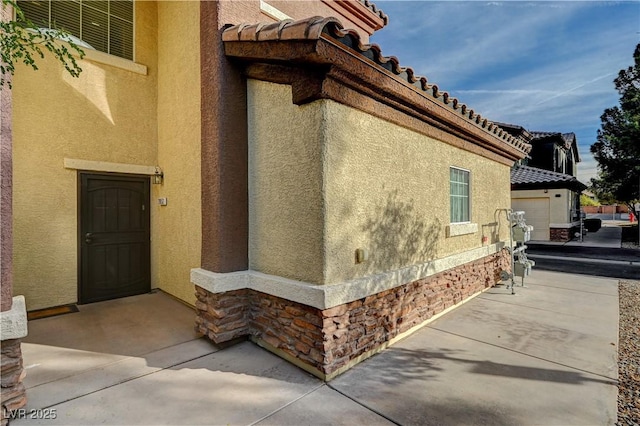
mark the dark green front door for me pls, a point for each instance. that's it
(114, 237)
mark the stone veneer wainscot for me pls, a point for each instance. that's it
(326, 342)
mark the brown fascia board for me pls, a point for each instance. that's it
(323, 68)
(370, 18)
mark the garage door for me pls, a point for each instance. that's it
(536, 214)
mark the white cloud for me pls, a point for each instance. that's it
(542, 65)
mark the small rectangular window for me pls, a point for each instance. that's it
(459, 195)
(105, 25)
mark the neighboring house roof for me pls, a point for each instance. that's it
(321, 60)
(516, 130)
(525, 177)
(567, 140)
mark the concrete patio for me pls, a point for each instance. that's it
(547, 355)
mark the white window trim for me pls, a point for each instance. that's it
(470, 203)
(114, 61)
(272, 12)
(99, 56)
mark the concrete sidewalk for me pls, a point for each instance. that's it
(544, 356)
(609, 236)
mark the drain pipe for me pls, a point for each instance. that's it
(513, 262)
(504, 275)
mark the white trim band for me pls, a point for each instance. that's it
(330, 295)
(103, 166)
(564, 225)
(14, 321)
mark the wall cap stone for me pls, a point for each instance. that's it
(104, 166)
(455, 229)
(564, 225)
(14, 321)
(330, 295)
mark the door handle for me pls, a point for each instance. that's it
(88, 238)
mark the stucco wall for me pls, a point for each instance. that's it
(285, 184)
(326, 179)
(176, 227)
(387, 192)
(559, 206)
(107, 114)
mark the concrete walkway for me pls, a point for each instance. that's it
(544, 356)
(609, 236)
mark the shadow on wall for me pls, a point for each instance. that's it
(399, 236)
(491, 231)
(501, 219)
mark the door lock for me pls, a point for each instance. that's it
(88, 238)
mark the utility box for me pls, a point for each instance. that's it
(523, 268)
(522, 233)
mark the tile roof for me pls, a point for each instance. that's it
(567, 140)
(373, 8)
(516, 130)
(526, 176)
(331, 29)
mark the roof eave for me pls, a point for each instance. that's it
(319, 67)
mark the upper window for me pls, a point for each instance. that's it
(459, 195)
(105, 25)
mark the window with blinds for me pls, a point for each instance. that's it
(105, 25)
(459, 195)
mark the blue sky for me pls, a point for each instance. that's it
(544, 65)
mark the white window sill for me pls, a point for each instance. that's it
(100, 57)
(114, 61)
(455, 229)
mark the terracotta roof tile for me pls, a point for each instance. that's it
(331, 29)
(373, 8)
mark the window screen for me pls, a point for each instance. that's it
(459, 195)
(105, 25)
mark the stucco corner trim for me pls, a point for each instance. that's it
(330, 295)
(14, 321)
(103, 166)
(455, 229)
(114, 61)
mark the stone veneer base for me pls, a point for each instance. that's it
(327, 342)
(562, 234)
(13, 325)
(13, 392)
(327, 377)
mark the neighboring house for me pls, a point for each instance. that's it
(554, 151)
(545, 186)
(324, 200)
(551, 201)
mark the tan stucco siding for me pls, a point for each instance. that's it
(387, 192)
(326, 179)
(559, 202)
(107, 114)
(285, 184)
(176, 227)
